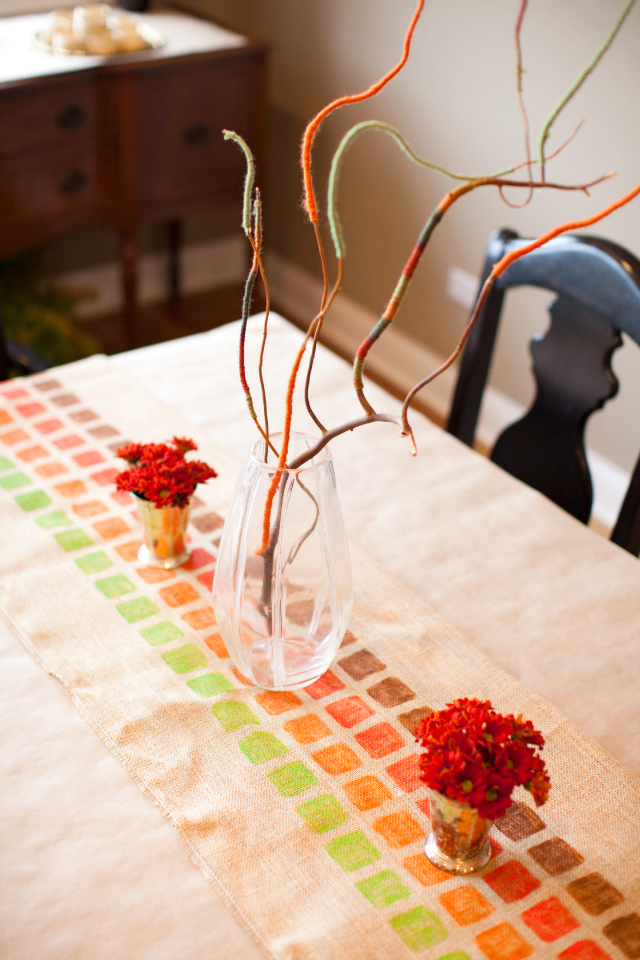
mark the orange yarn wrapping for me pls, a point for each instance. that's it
(312, 127)
(284, 450)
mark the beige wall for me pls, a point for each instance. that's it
(456, 103)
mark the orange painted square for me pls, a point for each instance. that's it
(423, 806)
(367, 793)
(406, 773)
(503, 943)
(121, 497)
(424, 871)
(90, 509)
(337, 759)
(349, 711)
(88, 458)
(550, 920)
(584, 950)
(51, 469)
(199, 558)
(113, 527)
(33, 453)
(511, 881)
(5, 417)
(496, 848)
(129, 551)
(324, 685)
(179, 593)
(307, 729)
(241, 677)
(206, 579)
(14, 436)
(278, 701)
(466, 905)
(398, 829)
(71, 440)
(155, 574)
(215, 642)
(380, 740)
(72, 488)
(48, 426)
(200, 619)
(30, 409)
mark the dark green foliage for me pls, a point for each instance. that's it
(38, 314)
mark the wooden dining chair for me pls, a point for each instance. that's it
(598, 287)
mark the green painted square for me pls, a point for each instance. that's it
(419, 929)
(5, 463)
(322, 813)
(14, 480)
(383, 889)
(115, 586)
(456, 955)
(73, 540)
(55, 519)
(292, 779)
(353, 851)
(138, 609)
(260, 747)
(33, 501)
(93, 562)
(184, 659)
(233, 714)
(161, 633)
(210, 684)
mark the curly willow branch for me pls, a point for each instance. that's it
(496, 271)
(573, 89)
(248, 180)
(336, 167)
(312, 126)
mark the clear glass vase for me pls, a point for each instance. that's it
(283, 614)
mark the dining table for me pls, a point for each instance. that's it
(157, 806)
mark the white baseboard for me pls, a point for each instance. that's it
(204, 266)
(399, 359)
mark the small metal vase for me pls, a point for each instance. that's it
(459, 838)
(164, 530)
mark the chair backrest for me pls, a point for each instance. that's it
(17, 359)
(598, 287)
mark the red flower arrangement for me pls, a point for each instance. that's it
(478, 756)
(160, 473)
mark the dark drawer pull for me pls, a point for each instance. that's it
(74, 183)
(72, 117)
(197, 134)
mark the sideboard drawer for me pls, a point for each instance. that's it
(45, 183)
(51, 117)
(181, 115)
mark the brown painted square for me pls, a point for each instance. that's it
(390, 692)
(624, 932)
(348, 638)
(555, 856)
(594, 893)
(103, 431)
(83, 416)
(65, 400)
(520, 822)
(361, 664)
(208, 522)
(411, 719)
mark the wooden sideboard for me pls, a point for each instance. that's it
(125, 140)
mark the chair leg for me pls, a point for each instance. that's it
(129, 265)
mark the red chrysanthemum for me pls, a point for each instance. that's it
(160, 473)
(476, 755)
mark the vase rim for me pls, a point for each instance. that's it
(321, 459)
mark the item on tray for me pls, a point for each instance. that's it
(96, 29)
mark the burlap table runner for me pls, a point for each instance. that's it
(304, 809)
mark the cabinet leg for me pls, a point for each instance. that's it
(129, 265)
(175, 238)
